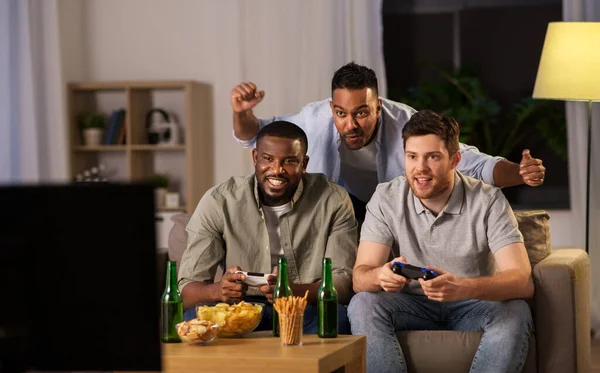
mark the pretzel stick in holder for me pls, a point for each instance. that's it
(291, 309)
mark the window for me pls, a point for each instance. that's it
(496, 50)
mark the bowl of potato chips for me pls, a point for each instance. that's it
(197, 331)
(233, 320)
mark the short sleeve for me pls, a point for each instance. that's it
(502, 226)
(375, 227)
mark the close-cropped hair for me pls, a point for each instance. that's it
(286, 130)
(353, 76)
(428, 122)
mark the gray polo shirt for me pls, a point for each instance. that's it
(476, 221)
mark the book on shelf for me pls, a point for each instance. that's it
(115, 130)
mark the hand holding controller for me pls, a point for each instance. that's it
(412, 272)
(256, 279)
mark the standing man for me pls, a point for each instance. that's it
(456, 225)
(355, 137)
(248, 223)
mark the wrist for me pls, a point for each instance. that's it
(470, 288)
(215, 293)
(241, 113)
(375, 274)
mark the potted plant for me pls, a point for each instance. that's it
(92, 127)
(483, 123)
(160, 183)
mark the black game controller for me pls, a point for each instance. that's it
(412, 272)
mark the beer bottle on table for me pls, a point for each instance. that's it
(282, 289)
(327, 304)
(171, 312)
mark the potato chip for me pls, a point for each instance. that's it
(233, 320)
(197, 331)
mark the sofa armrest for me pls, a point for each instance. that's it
(562, 311)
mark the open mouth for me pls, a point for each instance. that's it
(353, 138)
(276, 183)
(423, 182)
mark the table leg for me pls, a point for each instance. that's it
(358, 365)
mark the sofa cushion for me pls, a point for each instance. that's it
(178, 237)
(535, 228)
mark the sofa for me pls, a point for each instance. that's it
(560, 342)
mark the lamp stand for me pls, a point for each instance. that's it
(587, 194)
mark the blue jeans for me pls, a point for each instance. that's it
(310, 317)
(506, 327)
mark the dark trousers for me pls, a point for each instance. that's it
(310, 317)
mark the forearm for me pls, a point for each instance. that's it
(300, 289)
(365, 278)
(245, 125)
(343, 286)
(506, 174)
(509, 284)
(199, 292)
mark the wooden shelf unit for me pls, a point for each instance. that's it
(136, 160)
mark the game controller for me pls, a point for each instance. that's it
(412, 272)
(255, 279)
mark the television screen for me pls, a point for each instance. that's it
(78, 278)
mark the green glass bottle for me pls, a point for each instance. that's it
(327, 304)
(171, 312)
(282, 289)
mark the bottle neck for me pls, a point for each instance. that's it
(282, 279)
(171, 282)
(327, 274)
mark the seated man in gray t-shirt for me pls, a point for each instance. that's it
(458, 226)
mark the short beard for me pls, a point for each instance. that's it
(269, 200)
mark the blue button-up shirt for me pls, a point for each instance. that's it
(316, 119)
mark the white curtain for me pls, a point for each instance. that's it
(32, 146)
(577, 120)
(292, 48)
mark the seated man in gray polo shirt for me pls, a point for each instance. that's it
(456, 225)
(247, 223)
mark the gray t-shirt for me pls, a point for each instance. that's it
(476, 221)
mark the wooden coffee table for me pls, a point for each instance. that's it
(261, 352)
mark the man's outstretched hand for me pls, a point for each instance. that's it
(532, 171)
(245, 96)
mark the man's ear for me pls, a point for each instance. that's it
(254, 156)
(456, 158)
(331, 105)
(305, 163)
(379, 103)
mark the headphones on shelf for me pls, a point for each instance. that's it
(165, 131)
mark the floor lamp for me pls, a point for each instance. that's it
(570, 71)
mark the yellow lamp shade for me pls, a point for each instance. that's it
(570, 65)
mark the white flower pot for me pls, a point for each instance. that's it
(92, 136)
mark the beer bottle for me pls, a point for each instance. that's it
(171, 306)
(327, 304)
(282, 289)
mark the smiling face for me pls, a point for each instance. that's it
(278, 165)
(429, 166)
(355, 115)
